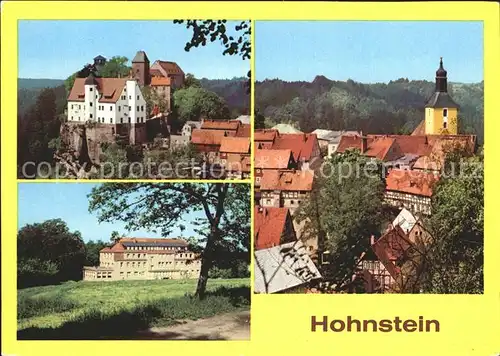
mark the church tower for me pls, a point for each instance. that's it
(441, 111)
(140, 68)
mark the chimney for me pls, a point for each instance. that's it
(372, 239)
(364, 144)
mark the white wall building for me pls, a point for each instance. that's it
(106, 101)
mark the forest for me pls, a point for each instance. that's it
(396, 107)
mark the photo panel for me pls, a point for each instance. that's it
(171, 101)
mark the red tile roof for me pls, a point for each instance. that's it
(411, 182)
(109, 88)
(244, 130)
(221, 124)
(420, 129)
(265, 135)
(152, 240)
(288, 180)
(235, 145)
(160, 81)
(381, 147)
(269, 224)
(207, 137)
(273, 159)
(391, 247)
(302, 145)
(170, 67)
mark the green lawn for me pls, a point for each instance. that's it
(91, 309)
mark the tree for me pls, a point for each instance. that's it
(115, 67)
(259, 120)
(455, 258)
(344, 210)
(211, 30)
(194, 103)
(92, 251)
(191, 81)
(160, 207)
(51, 246)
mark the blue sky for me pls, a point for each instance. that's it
(368, 51)
(42, 201)
(56, 49)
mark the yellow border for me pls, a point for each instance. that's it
(280, 323)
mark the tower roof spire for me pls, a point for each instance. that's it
(441, 72)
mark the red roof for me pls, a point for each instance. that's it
(411, 182)
(289, 180)
(235, 145)
(160, 81)
(301, 144)
(221, 124)
(392, 247)
(269, 224)
(265, 135)
(381, 147)
(207, 137)
(109, 88)
(169, 67)
(273, 159)
(244, 130)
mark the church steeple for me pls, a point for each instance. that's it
(441, 78)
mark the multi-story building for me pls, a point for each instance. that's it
(285, 188)
(144, 258)
(410, 189)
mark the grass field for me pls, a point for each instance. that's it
(92, 310)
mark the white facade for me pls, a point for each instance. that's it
(130, 106)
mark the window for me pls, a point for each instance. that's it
(142, 107)
(111, 121)
(121, 120)
(137, 97)
(130, 108)
(91, 116)
(111, 108)
(71, 117)
(130, 97)
(90, 103)
(91, 89)
(119, 108)
(444, 124)
(137, 107)
(445, 112)
(129, 120)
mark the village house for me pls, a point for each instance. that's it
(285, 188)
(272, 227)
(305, 147)
(187, 129)
(266, 159)
(234, 156)
(410, 189)
(144, 258)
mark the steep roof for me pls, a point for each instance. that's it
(283, 267)
(441, 100)
(288, 180)
(140, 57)
(420, 129)
(207, 137)
(235, 145)
(244, 130)
(302, 145)
(265, 135)
(160, 81)
(406, 220)
(411, 182)
(169, 67)
(221, 124)
(390, 248)
(269, 224)
(273, 159)
(109, 88)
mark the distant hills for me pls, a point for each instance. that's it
(394, 107)
(232, 90)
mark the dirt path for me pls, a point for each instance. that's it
(230, 326)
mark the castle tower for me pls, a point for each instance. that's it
(91, 96)
(441, 111)
(140, 68)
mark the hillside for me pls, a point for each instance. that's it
(394, 107)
